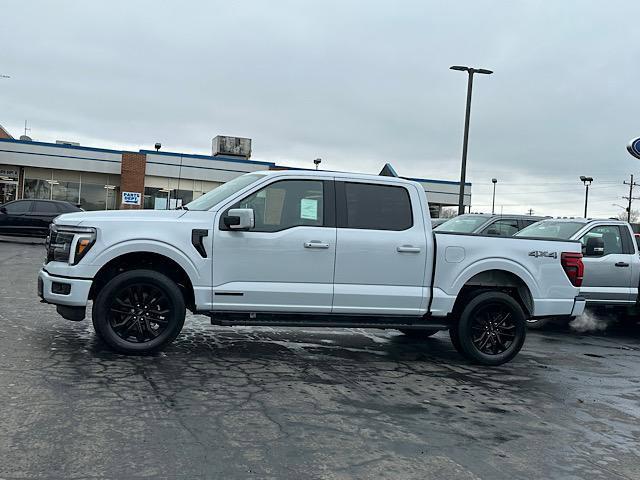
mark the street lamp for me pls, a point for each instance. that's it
(493, 202)
(465, 143)
(587, 181)
(317, 162)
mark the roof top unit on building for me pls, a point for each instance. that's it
(231, 146)
(65, 142)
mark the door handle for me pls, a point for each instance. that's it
(315, 244)
(622, 264)
(408, 249)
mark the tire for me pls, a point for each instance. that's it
(419, 334)
(139, 312)
(491, 329)
(454, 335)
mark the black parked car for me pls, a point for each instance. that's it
(31, 217)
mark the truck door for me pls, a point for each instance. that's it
(381, 249)
(285, 263)
(607, 277)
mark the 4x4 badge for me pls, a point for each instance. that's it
(539, 253)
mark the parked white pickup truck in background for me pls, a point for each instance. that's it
(299, 248)
(611, 260)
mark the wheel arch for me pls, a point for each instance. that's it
(496, 280)
(147, 260)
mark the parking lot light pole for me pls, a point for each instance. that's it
(587, 181)
(465, 142)
(493, 202)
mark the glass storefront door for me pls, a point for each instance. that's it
(8, 191)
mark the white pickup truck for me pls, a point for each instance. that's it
(610, 255)
(305, 249)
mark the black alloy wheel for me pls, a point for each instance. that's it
(491, 328)
(139, 312)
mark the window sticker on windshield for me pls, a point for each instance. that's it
(309, 209)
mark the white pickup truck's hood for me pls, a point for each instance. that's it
(96, 217)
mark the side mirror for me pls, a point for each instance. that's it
(240, 219)
(493, 231)
(3, 210)
(595, 247)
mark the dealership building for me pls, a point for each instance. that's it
(107, 179)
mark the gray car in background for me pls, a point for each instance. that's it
(487, 224)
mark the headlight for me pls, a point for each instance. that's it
(69, 244)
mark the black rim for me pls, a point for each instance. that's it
(493, 330)
(139, 313)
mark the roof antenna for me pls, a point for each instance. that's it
(388, 171)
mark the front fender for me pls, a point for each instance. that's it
(151, 246)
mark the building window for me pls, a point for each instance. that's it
(155, 198)
(97, 197)
(66, 191)
(36, 188)
(180, 197)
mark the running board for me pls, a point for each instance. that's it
(324, 320)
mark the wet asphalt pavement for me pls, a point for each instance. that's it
(304, 404)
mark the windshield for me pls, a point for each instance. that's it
(215, 196)
(462, 224)
(551, 229)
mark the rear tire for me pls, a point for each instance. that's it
(139, 312)
(491, 329)
(419, 334)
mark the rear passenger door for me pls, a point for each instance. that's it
(607, 277)
(380, 250)
(41, 215)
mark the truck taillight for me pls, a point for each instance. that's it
(573, 267)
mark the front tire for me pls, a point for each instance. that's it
(139, 312)
(491, 329)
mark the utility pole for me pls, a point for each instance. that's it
(630, 197)
(530, 211)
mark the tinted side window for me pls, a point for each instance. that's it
(377, 207)
(45, 208)
(610, 235)
(286, 204)
(503, 228)
(67, 208)
(627, 241)
(19, 207)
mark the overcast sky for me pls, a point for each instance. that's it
(355, 83)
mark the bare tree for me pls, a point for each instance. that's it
(448, 212)
(635, 216)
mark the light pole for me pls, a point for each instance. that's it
(587, 181)
(493, 202)
(317, 162)
(465, 142)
